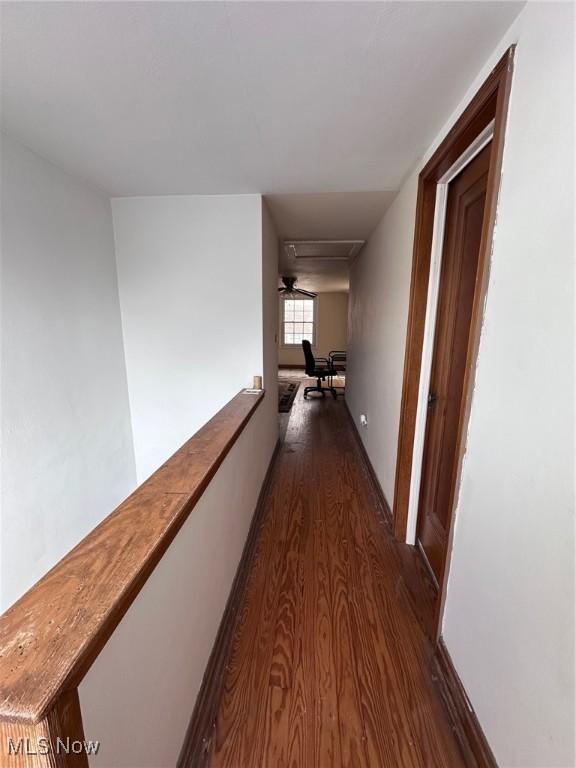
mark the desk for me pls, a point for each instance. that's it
(337, 360)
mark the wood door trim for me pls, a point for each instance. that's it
(489, 103)
(50, 637)
(458, 272)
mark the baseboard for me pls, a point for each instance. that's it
(195, 748)
(386, 511)
(299, 367)
(418, 586)
(476, 750)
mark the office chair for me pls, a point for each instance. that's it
(318, 368)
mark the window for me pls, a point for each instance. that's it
(298, 317)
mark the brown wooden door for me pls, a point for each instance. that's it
(462, 232)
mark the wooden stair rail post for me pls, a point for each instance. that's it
(51, 636)
(56, 741)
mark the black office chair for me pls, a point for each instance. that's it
(318, 368)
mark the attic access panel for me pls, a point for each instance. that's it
(323, 250)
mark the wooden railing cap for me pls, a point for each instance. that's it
(51, 636)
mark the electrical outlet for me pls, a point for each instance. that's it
(363, 420)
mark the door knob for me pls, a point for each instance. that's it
(431, 398)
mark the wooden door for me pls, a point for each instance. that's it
(462, 233)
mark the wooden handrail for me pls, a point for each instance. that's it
(51, 636)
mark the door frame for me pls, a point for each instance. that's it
(481, 141)
(489, 105)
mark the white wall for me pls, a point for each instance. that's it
(190, 278)
(510, 603)
(331, 328)
(378, 313)
(67, 456)
(199, 311)
(153, 664)
(199, 297)
(509, 618)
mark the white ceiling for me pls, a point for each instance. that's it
(331, 215)
(215, 97)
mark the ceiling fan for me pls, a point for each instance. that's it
(289, 290)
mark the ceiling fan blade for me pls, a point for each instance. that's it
(306, 293)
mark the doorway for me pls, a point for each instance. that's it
(465, 204)
(443, 332)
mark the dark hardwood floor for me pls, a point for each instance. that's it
(330, 665)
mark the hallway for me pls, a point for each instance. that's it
(330, 666)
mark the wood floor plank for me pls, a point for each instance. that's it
(247, 679)
(330, 665)
(353, 736)
(284, 641)
(302, 731)
(326, 710)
